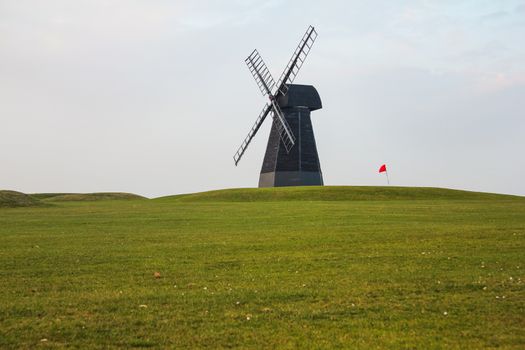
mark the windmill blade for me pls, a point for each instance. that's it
(284, 130)
(237, 157)
(260, 72)
(297, 60)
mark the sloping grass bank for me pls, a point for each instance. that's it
(334, 193)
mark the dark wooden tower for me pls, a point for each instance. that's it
(300, 166)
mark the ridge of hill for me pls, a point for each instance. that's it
(97, 196)
(334, 193)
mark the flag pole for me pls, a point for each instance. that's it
(387, 179)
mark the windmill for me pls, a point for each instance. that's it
(291, 157)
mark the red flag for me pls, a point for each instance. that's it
(382, 169)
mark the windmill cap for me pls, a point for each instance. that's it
(301, 96)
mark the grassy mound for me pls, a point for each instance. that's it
(310, 274)
(100, 196)
(333, 193)
(13, 199)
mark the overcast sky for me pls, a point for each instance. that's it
(153, 97)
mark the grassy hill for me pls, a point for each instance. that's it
(332, 267)
(13, 199)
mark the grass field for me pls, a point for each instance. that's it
(332, 267)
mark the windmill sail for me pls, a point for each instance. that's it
(297, 60)
(260, 72)
(284, 130)
(237, 157)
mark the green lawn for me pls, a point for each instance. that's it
(332, 267)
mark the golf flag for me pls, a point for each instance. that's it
(382, 169)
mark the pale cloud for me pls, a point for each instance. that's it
(205, 15)
(497, 81)
(494, 16)
(520, 9)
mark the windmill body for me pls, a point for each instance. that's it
(300, 166)
(291, 157)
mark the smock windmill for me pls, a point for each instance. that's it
(291, 157)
